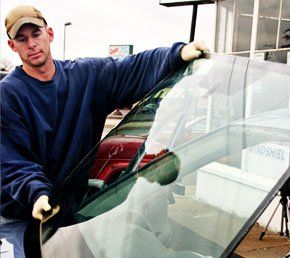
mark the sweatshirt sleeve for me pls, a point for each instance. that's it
(21, 172)
(129, 79)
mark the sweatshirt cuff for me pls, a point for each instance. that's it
(38, 194)
(176, 60)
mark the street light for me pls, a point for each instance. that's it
(64, 29)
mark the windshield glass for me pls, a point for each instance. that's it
(223, 132)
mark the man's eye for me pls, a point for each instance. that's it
(36, 34)
(20, 39)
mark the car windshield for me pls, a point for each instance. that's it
(220, 133)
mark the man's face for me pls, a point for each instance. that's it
(32, 43)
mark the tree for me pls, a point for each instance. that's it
(6, 65)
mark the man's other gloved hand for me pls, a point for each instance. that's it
(193, 50)
(42, 209)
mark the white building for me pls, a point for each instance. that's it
(259, 29)
(254, 28)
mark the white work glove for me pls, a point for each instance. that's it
(42, 209)
(193, 50)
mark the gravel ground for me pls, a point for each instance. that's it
(271, 246)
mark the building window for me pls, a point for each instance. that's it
(243, 25)
(234, 28)
(234, 25)
(268, 24)
(276, 56)
(224, 26)
(284, 39)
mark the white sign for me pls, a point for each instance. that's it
(288, 58)
(120, 51)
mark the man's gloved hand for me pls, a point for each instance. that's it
(193, 50)
(42, 209)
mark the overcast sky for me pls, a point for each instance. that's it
(97, 24)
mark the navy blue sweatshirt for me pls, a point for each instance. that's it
(48, 127)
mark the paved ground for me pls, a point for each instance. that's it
(272, 246)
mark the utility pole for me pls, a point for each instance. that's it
(64, 37)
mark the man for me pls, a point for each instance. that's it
(53, 112)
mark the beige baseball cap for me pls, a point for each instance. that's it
(21, 15)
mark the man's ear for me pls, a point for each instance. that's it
(12, 45)
(50, 34)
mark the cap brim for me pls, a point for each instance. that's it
(25, 20)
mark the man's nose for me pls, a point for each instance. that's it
(31, 43)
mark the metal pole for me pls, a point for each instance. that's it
(193, 22)
(216, 27)
(64, 37)
(64, 42)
